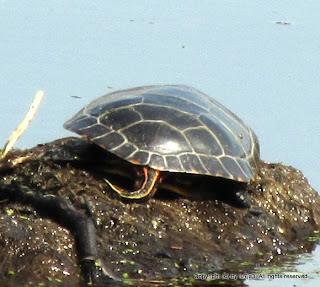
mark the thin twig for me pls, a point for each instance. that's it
(23, 126)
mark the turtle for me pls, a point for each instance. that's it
(169, 130)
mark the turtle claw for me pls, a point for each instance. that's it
(243, 199)
(239, 199)
(172, 129)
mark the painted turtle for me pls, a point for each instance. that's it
(169, 129)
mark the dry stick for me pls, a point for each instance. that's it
(23, 126)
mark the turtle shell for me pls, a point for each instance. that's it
(171, 128)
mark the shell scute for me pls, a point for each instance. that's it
(171, 128)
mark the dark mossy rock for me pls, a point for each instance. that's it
(162, 238)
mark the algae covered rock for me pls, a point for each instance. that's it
(61, 222)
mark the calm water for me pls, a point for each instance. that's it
(261, 59)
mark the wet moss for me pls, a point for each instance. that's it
(162, 238)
